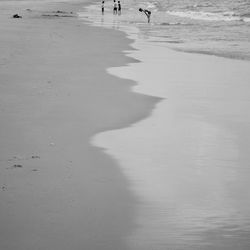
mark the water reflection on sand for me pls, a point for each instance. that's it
(188, 162)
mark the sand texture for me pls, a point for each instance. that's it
(111, 142)
(57, 191)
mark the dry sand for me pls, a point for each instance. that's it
(57, 191)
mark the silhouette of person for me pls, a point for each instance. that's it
(102, 7)
(115, 8)
(119, 8)
(146, 12)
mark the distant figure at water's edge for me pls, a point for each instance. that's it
(119, 8)
(115, 8)
(146, 12)
(102, 7)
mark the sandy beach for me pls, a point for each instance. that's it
(58, 191)
(111, 141)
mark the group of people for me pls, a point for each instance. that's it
(117, 9)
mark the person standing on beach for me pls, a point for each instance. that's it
(147, 13)
(115, 8)
(119, 8)
(102, 7)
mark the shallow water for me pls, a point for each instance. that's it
(189, 161)
(206, 26)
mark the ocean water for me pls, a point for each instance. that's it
(217, 27)
(189, 161)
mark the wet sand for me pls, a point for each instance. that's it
(188, 161)
(57, 191)
(176, 179)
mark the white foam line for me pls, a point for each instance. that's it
(207, 16)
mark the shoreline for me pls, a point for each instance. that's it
(131, 20)
(60, 192)
(57, 191)
(183, 157)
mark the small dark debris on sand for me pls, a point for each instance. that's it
(50, 15)
(62, 12)
(16, 158)
(17, 166)
(56, 15)
(35, 157)
(59, 13)
(16, 16)
(34, 170)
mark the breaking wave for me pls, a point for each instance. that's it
(209, 16)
